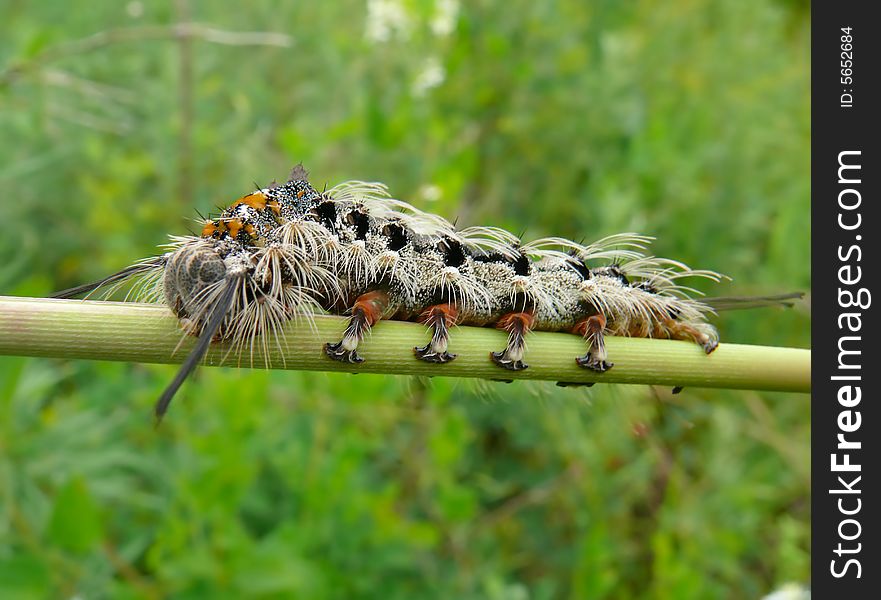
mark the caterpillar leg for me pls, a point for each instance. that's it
(367, 310)
(517, 324)
(591, 329)
(682, 331)
(440, 318)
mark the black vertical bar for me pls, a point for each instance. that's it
(845, 429)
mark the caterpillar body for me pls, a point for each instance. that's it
(288, 251)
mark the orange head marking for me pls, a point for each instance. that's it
(234, 226)
(257, 201)
(275, 207)
(210, 229)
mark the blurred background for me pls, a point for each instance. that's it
(684, 120)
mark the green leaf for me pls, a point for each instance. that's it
(75, 523)
(36, 43)
(23, 577)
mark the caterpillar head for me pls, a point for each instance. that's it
(194, 277)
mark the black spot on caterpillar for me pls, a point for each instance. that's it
(288, 251)
(396, 235)
(360, 222)
(452, 251)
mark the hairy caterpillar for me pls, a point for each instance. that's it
(288, 251)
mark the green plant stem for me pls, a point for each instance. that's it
(150, 333)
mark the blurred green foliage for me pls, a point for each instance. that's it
(685, 120)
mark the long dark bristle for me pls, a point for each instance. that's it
(743, 302)
(214, 321)
(116, 277)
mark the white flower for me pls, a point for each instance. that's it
(431, 75)
(385, 18)
(135, 9)
(789, 591)
(445, 16)
(430, 192)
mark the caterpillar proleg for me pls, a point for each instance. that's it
(288, 251)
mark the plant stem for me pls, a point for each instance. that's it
(149, 333)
